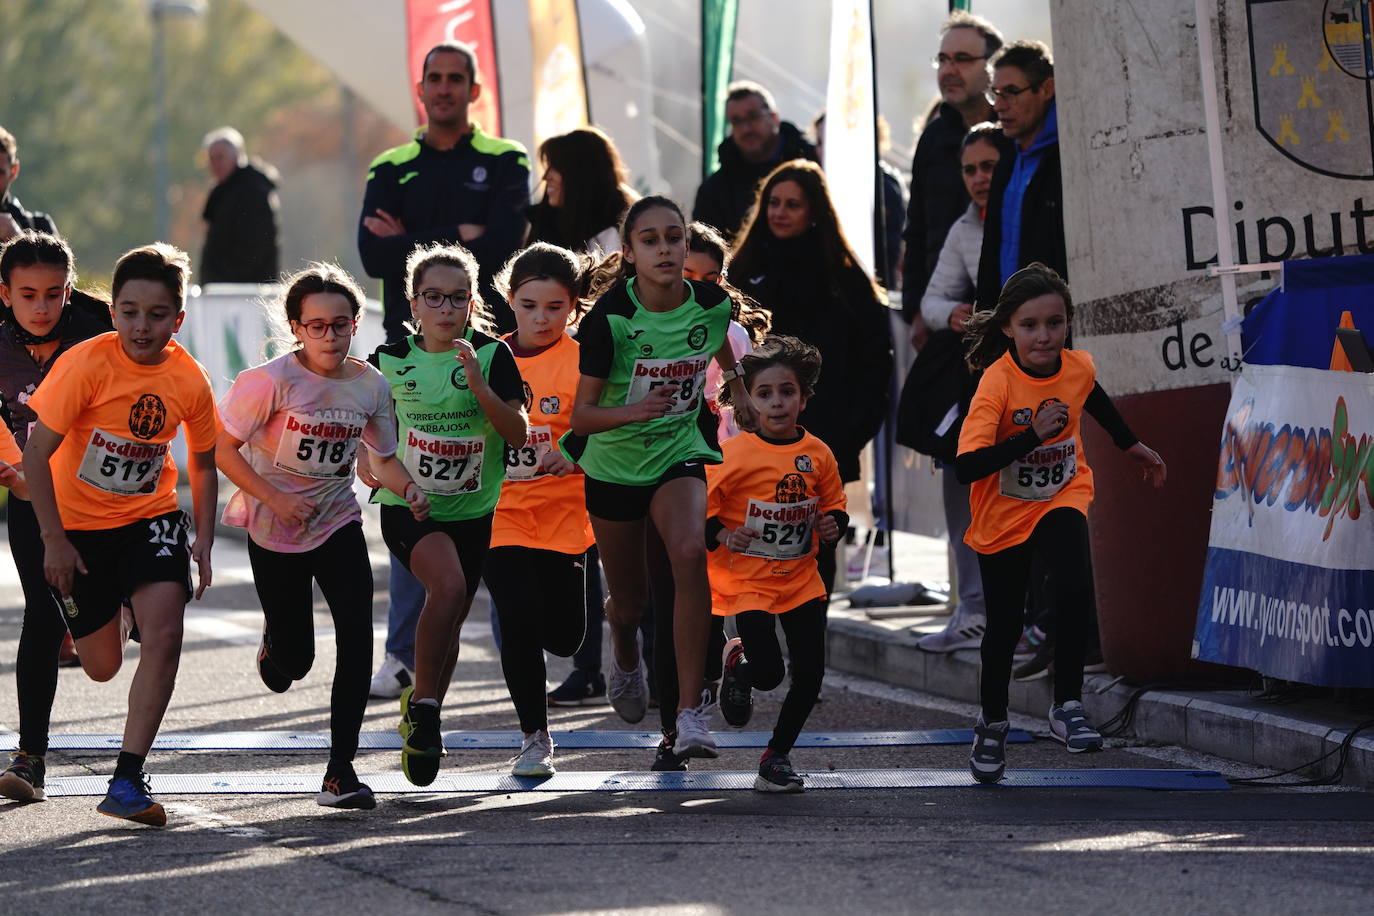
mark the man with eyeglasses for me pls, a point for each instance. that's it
(938, 197)
(1025, 215)
(759, 139)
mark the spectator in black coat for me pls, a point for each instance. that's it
(759, 140)
(14, 218)
(241, 225)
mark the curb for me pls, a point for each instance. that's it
(1225, 723)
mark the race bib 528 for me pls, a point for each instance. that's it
(784, 528)
(122, 466)
(444, 465)
(317, 448)
(689, 375)
(1041, 474)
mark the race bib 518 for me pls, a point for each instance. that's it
(784, 528)
(689, 375)
(444, 465)
(125, 467)
(317, 448)
(1042, 473)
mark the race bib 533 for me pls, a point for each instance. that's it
(523, 463)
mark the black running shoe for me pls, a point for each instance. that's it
(665, 761)
(422, 744)
(736, 697)
(271, 675)
(341, 789)
(581, 688)
(776, 774)
(23, 778)
(1038, 665)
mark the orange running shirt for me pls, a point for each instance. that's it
(780, 491)
(1007, 506)
(9, 449)
(540, 510)
(118, 418)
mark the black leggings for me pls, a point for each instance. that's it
(283, 581)
(40, 635)
(1060, 539)
(763, 666)
(540, 598)
(663, 664)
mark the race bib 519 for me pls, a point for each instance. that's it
(689, 375)
(122, 466)
(317, 448)
(444, 465)
(1041, 474)
(784, 528)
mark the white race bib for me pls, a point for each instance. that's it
(689, 374)
(1041, 474)
(784, 528)
(444, 465)
(317, 448)
(125, 467)
(523, 463)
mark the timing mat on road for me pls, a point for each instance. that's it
(606, 781)
(502, 740)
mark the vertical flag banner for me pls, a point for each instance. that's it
(717, 62)
(429, 22)
(560, 85)
(851, 147)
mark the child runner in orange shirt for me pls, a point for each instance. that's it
(1022, 451)
(537, 565)
(777, 493)
(103, 486)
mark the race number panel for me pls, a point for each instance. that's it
(784, 529)
(444, 465)
(689, 375)
(523, 463)
(1042, 473)
(317, 448)
(125, 467)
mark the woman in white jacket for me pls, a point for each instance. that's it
(947, 304)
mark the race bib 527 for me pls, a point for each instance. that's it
(444, 465)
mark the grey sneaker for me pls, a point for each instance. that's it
(694, 738)
(962, 633)
(628, 691)
(536, 756)
(988, 759)
(1069, 726)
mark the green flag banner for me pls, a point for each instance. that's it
(717, 62)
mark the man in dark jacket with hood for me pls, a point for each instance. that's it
(1025, 215)
(759, 140)
(14, 217)
(240, 214)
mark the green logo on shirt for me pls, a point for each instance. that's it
(696, 338)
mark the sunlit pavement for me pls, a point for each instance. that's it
(948, 850)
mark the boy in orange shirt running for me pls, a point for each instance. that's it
(776, 495)
(103, 487)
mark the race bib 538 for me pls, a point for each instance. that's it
(784, 528)
(317, 448)
(689, 375)
(1041, 474)
(444, 465)
(125, 467)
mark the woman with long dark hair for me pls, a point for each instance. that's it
(793, 257)
(586, 193)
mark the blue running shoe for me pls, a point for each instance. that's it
(131, 799)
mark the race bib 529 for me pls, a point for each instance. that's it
(444, 465)
(122, 466)
(1041, 474)
(689, 375)
(784, 528)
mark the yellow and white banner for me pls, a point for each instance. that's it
(851, 151)
(560, 86)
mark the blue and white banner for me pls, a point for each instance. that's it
(1289, 584)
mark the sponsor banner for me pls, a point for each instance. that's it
(1288, 588)
(560, 85)
(718, 19)
(1296, 323)
(429, 22)
(1139, 213)
(851, 145)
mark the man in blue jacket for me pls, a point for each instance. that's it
(453, 183)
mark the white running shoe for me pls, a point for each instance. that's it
(536, 756)
(694, 738)
(628, 691)
(964, 632)
(390, 679)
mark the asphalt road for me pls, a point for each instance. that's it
(950, 850)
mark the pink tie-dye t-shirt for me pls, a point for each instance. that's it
(301, 433)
